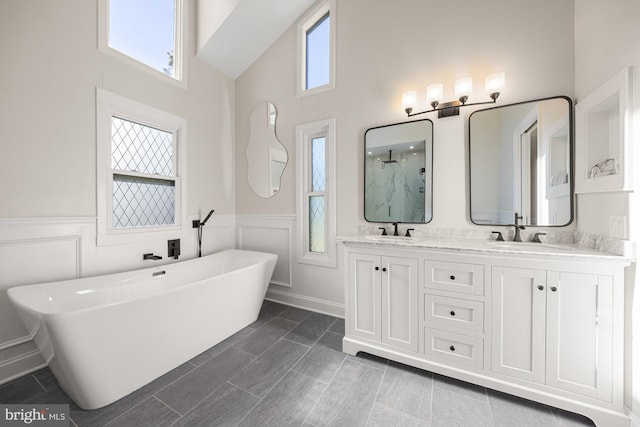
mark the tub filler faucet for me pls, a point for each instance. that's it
(200, 225)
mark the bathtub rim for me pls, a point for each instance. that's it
(14, 293)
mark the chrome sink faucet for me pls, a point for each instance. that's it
(516, 237)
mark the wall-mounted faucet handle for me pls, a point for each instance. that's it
(151, 256)
(408, 233)
(384, 230)
(499, 238)
(536, 237)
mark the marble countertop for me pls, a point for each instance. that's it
(489, 247)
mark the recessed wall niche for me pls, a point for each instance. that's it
(603, 132)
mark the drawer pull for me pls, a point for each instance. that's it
(452, 277)
(384, 268)
(453, 313)
(553, 289)
(452, 348)
(377, 268)
(540, 287)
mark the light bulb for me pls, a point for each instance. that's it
(494, 84)
(409, 100)
(434, 94)
(463, 88)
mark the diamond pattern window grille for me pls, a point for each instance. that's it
(316, 224)
(140, 148)
(318, 164)
(142, 202)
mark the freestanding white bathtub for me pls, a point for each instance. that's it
(106, 336)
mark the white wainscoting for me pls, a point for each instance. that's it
(50, 249)
(270, 233)
(292, 282)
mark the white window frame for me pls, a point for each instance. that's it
(108, 105)
(327, 6)
(305, 133)
(179, 39)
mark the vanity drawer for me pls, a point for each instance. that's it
(454, 314)
(455, 348)
(455, 277)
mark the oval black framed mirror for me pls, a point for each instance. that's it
(398, 172)
(521, 163)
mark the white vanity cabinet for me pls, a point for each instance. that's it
(546, 326)
(554, 328)
(453, 296)
(383, 299)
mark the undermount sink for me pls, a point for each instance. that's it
(380, 238)
(528, 245)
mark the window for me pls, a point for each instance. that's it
(316, 192)
(316, 35)
(141, 162)
(148, 32)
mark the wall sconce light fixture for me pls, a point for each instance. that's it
(494, 84)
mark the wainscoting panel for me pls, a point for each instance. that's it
(32, 261)
(270, 233)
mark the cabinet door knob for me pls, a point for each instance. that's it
(553, 289)
(453, 313)
(540, 287)
(452, 277)
(377, 268)
(452, 348)
(384, 268)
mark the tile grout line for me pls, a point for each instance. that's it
(375, 399)
(167, 405)
(323, 392)
(43, 387)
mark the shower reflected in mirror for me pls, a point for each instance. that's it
(398, 172)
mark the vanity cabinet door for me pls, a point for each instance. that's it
(554, 328)
(383, 299)
(579, 333)
(518, 322)
(400, 302)
(364, 317)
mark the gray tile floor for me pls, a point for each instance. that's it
(287, 369)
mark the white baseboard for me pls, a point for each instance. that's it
(634, 418)
(306, 303)
(19, 360)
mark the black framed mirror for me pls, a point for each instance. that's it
(521, 163)
(398, 172)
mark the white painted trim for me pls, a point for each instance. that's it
(308, 303)
(180, 48)
(274, 222)
(304, 134)
(12, 222)
(633, 418)
(621, 85)
(109, 104)
(307, 22)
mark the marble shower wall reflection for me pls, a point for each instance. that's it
(266, 156)
(398, 173)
